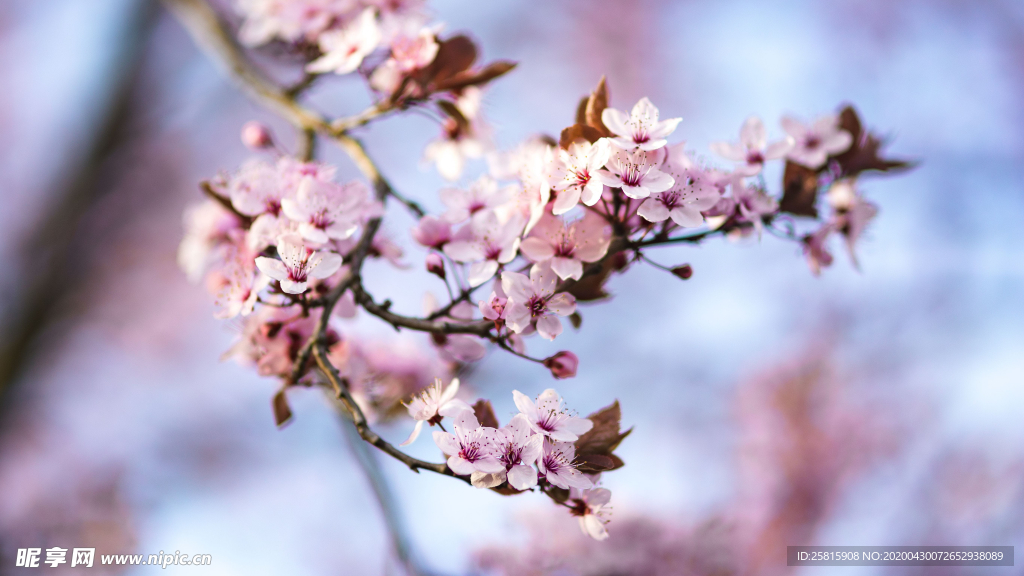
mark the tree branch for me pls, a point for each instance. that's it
(340, 386)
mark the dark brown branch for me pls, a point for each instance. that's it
(340, 386)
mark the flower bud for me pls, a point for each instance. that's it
(256, 136)
(562, 364)
(684, 271)
(435, 265)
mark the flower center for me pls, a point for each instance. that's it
(471, 452)
(755, 157)
(812, 141)
(632, 175)
(320, 219)
(537, 306)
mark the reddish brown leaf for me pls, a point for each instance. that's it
(596, 104)
(454, 55)
(468, 78)
(594, 449)
(282, 412)
(799, 190)
(581, 110)
(578, 132)
(485, 413)
(864, 152)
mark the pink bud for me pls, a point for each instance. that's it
(562, 364)
(256, 136)
(435, 265)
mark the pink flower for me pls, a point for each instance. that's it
(532, 163)
(208, 225)
(641, 128)
(240, 285)
(298, 264)
(472, 447)
(814, 144)
(413, 53)
(483, 194)
(435, 265)
(517, 449)
(486, 242)
(579, 166)
(753, 204)
(753, 149)
(591, 507)
(816, 250)
(344, 49)
(325, 210)
(256, 136)
(563, 364)
(852, 213)
(568, 245)
(533, 299)
(289, 20)
(547, 416)
(459, 143)
(692, 192)
(432, 405)
(636, 174)
(256, 189)
(557, 466)
(494, 307)
(432, 232)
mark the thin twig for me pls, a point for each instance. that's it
(340, 386)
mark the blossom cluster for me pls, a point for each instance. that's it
(524, 237)
(536, 449)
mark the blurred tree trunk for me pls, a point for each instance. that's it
(48, 271)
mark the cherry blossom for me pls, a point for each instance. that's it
(641, 128)
(289, 20)
(547, 416)
(240, 284)
(472, 447)
(325, 210)
(563, 364)
(517, 449)
(753, 204)
(432, 404)
(207, 226)
(494, 307)
(533, 300)
(256, 189)
(816, 250)
(692, 192)
(432, 232)
(344, 49)
(591, 507)
(298, 264)
(815, 143)
(635, 172)
(567, 245)
(483, 194)
(459, 142)
(579, 181)
(853, 213)
(486, 243)
(753, 149)
(532, 163)
(256, 136)
(557, 466)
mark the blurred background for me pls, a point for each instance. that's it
(771, 407)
